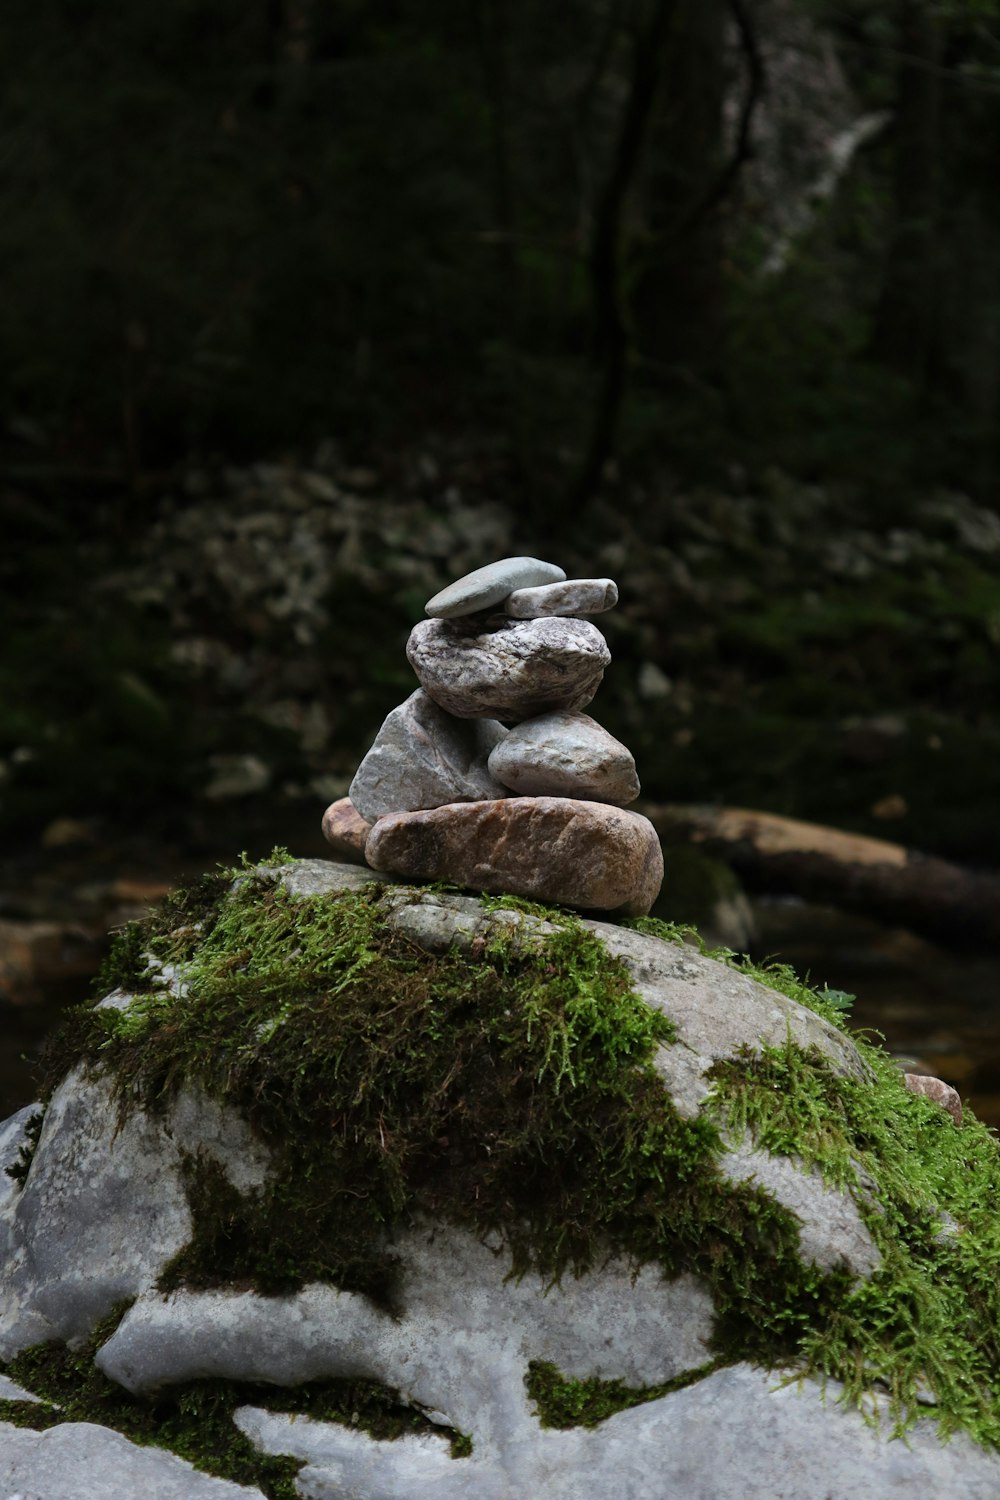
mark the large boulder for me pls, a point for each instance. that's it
(322, 1120)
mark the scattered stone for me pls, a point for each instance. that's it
(488, 586)
(346, 830)
(565, 755)
(520, 669)
(558, 849)
(575, 596)
(424, 757)
(935, 1088)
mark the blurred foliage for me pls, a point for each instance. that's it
(250, 227)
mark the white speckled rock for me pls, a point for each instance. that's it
(610, 1323)
(513, 672)
(565, 755)
(81, 1461)
(488, 586)
(559, 849)
(573, 597)
(738, 1434)
(424, 757)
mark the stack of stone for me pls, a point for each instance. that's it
(449, 791)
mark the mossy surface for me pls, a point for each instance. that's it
(561, 1401)
(514, 1090)
(195, 1420)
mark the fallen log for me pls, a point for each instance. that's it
(933, 897)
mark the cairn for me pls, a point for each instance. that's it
(489, 775)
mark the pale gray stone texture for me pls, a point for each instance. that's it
(512, 671)
(487, 586)
(424, 757)
(101, 1213)
(14, 1135)
(81, 1461)
(737, 1434)
(565, 755)
(574, 597)
(461, 1327)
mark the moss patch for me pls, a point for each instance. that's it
(195, 1420)
(561, 1401)
(514, 1090)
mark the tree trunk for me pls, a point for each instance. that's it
(907, 332)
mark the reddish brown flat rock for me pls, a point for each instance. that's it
(557, 849)
(346, 830)
(935, 1088)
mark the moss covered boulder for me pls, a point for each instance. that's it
(347, 1187)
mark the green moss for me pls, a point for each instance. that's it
(513, 1088)
(195, 1420)
(20, 1168)
(561, 1401)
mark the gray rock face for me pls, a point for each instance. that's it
(513, 672)
(81, 1461)
(424, 757)
(609, 1324)
(574, 597)
(738, 1434)
(488, 586)
(565, 755)
(558, 849)
(13, 1135)
(102, 1212)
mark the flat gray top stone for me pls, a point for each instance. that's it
(486, 586)
(572, 597)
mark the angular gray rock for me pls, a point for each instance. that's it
(573, 597)
(557, 849)
(512, 672)
(81, 1461)
(424, 757)
(488, 586)
(565, 755)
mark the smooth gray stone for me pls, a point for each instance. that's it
(14, 1135)
(101, 1213)
(104, 1207)
(424, 757)
(488, 586)
(565, 755)
(81, 1461)
(738, 1434)
(574, 596)
(9, 1391)
(460, 1322)
(512, 672)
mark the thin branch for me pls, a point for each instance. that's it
(743, 146)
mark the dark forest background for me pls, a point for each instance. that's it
(309, 306)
